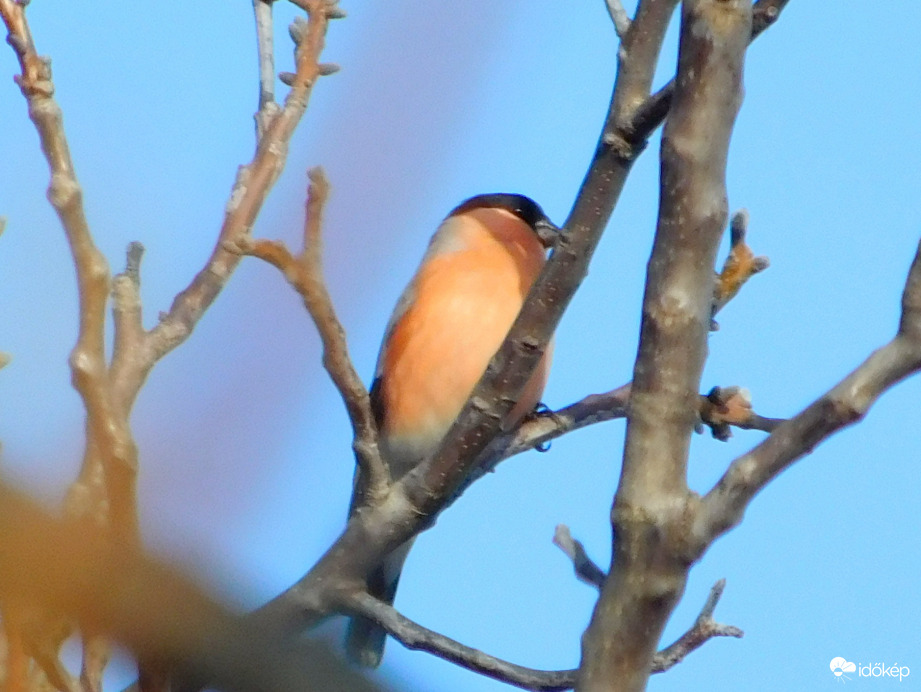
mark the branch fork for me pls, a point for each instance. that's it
(304, 271)
(104, 493)
(416, 637)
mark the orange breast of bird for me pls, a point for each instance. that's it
(465, 297)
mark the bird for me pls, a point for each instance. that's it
(448, 324)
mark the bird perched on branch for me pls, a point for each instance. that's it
(447, 326)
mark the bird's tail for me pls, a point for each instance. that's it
(364, 641)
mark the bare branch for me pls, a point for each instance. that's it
(843, 405)
(305, 273)
(127, 318)
(540, 429)
(418, 638)
(719, 408)
(268, 109)
(105, 489)
(703, 629)
(619, 17)
(585, 568)
(413, 502)
(249, 193)
(653, 503)
(109, 440)
(155, 612)
(653, 111)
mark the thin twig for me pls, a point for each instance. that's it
(652, 112)
(845, 404)
(619, 17)
(127, 317)
(109, 441)
(722, 406)
(304, 272)
(542, 428)
(585, 568)
(268, 108)
(418, 638)
(247, 197)
(703, 629)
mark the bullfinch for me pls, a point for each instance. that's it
(447, 326)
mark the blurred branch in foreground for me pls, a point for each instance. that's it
(150, 608)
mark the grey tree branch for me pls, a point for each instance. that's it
(408, 507)
(619, 17)
(254, 180)
(719, 409)
(105, 493)
(105, 490)
(127, 316)
(586, 569)
(843, 405)
(304, 272)
(653, 111)
(411, 504)
(540, 429)
(268, 108)
(249, 193)
(418, 638)
(703, 630)
(653, 503)
(110, 449)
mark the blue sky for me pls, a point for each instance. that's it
(246, 467)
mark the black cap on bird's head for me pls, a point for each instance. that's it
(521, 206)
